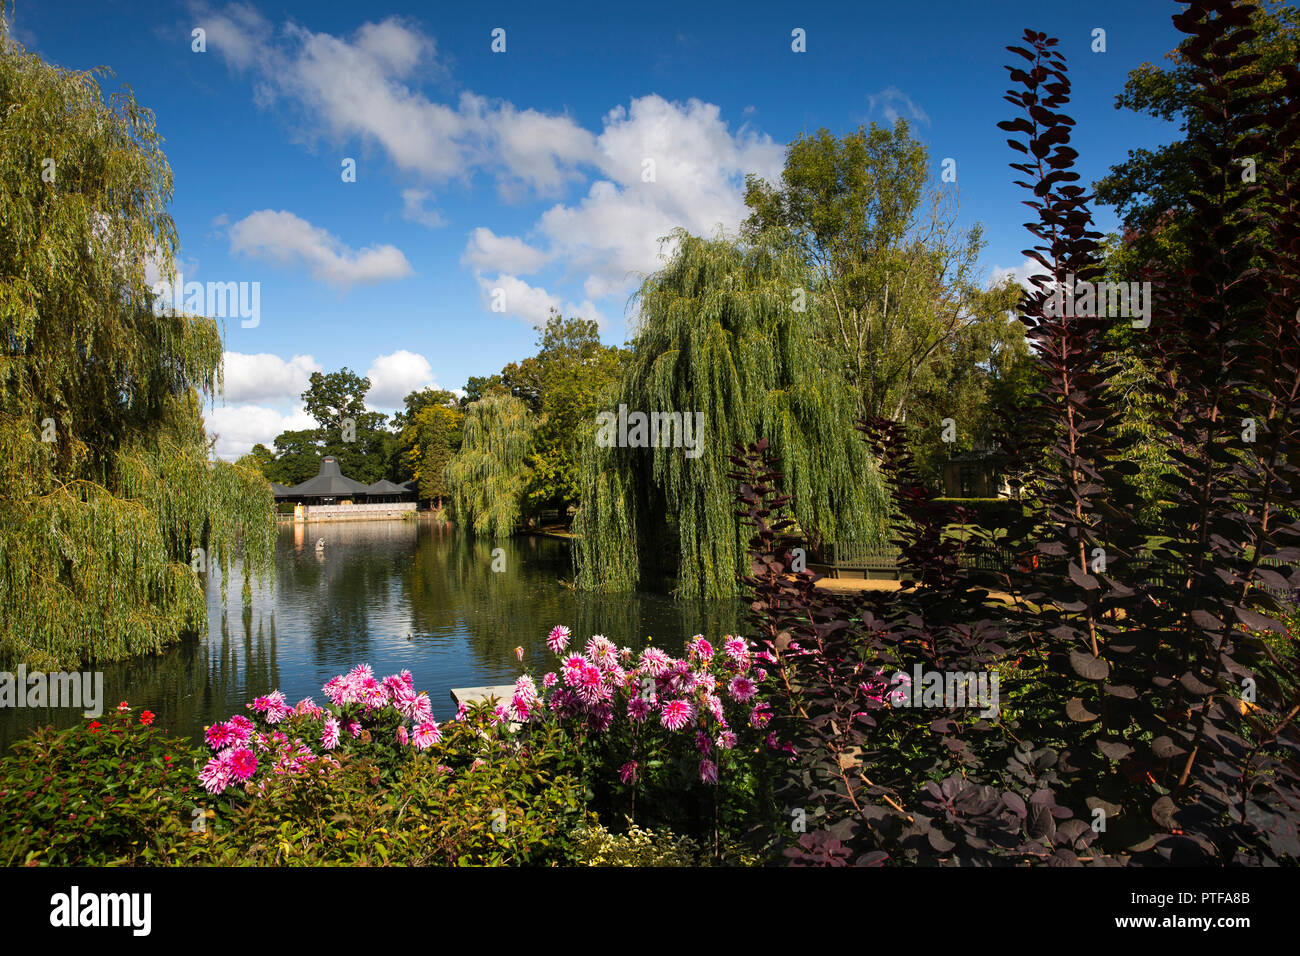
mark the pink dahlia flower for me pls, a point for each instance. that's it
(677, 714)
(638, 709)
(243, 764)
(655, 662)
(742, 688)
(699, 647)
(601, 651)
(215, 777)
(426, 735)
(329, 738)
(558, 639)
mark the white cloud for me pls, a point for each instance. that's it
(413, 208)
(487, 251)
(1021, 273)
(240, 33)
(393, 377)
(894, 103)
(533, 304)
(286, 238)
(366, 87)
(266, 377)
(699, 168)
(538, 151)
(239, 427)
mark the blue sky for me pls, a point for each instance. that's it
(523, 170)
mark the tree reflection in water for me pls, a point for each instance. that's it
(394, 594)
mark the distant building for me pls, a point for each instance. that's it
(975, 474)
(332, 494)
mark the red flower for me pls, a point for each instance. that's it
(146, 717)
(94, 726)
(123, 706)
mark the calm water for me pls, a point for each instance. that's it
(393, 594)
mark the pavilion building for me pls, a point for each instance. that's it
(333, 495)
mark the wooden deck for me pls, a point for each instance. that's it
(472, 695)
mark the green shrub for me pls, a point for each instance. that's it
(470, 800)
(596, 846)
(106, 792)
(118, 792)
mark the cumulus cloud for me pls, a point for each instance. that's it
(285, 238)
(487, 251)
(239, 427)
(533, 304)
(394, 376)
(666, 164)
(365, 87)
(266, 377)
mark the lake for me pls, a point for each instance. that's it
(393, 594)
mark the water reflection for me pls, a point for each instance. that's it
(395, 594)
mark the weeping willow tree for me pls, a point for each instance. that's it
(487, 477)
(109, 505)
(720, 332)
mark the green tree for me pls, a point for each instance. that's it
(424, 409)
(891, 279)
(479, 386)
(257, 459)
(488, 475)
(716, 335)
(563, 384)
(297, 457)
(365, 449)
(107, 487)
(1150, 189)
(437, 456)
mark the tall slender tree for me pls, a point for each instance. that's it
(488, 475)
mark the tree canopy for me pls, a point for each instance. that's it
(892, 281)
(106, 484)
(488, 475)
(717, 334)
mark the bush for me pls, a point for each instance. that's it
(105, 792)
(119, 792)
(596, 846)
(677, 743)
(473, 799)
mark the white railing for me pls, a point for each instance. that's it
(339, 512)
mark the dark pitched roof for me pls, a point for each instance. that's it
(385, 487)
(329, 482)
